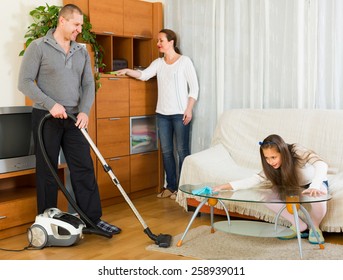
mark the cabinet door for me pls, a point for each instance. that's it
(121, 169)
(106, 16)
(113, 137)
(144, 171)
(143, 97)
(112, 99)
(82, 4)
(138, 18)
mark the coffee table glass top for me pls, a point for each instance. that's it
(255, 195)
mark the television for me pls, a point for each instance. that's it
(16, 139)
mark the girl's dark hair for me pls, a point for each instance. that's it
(284, 179)
(171, 35)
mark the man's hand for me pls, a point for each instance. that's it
(82, 120)
(58, 111)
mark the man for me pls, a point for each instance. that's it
(56, 75)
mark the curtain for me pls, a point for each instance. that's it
(259, 54)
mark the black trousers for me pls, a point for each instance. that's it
(62, 133)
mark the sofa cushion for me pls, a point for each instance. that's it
(212, 165)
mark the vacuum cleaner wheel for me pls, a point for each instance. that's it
(37, 236)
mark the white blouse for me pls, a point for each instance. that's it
(176, 83)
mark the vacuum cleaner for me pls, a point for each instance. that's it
(56, 228)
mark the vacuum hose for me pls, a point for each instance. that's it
(91, 227)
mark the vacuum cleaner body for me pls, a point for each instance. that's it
(55, 228)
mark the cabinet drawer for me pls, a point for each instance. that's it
(121, 169)
(144, 171)
(23, 209)
(113, 137)
(112, 99)
(143, 97)
(17, 212)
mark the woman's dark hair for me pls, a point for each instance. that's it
(170, 34)
(284, 179)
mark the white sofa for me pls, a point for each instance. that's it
(234, 154)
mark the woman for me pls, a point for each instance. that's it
(291, 169)
(177, 93)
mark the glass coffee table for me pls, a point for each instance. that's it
(252, 228)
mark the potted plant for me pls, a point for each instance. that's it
(45, 18)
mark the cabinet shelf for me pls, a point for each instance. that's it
(136, 51)
(24, 172)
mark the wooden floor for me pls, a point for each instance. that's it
(161, 215)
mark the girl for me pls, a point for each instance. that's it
(291, 169)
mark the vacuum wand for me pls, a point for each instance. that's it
(162, 240)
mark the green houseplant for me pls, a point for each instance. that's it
(45, 18)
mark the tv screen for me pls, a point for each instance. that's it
(16, 143)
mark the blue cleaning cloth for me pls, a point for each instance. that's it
(205, 190)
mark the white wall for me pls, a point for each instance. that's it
(14, 20)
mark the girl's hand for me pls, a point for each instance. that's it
(313, 192)
(221, 187)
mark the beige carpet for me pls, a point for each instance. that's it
(199, 243)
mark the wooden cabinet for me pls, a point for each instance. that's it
(126, 29)
(112, 98)
(120, 167)
(107, 16)
(143, 97)
(138, 18)
(18, 204)
(119, 102)
(113, 136)
(119, 17)
(144, 171)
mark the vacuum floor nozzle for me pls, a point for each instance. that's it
(162, 240)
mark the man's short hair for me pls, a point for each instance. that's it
(68, 10)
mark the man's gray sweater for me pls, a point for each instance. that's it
(48, 76)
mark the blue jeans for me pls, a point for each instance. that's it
(171, 127)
